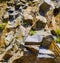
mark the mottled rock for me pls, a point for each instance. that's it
(23, 30)
(41, 18)
(46, 42)
(27, 13)
(9, 37)
(6, 16)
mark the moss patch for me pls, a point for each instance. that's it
(32, 32)
(2, 26)
(58, 40)
(57, 31)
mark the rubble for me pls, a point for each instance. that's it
(29, 31)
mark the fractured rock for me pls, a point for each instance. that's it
(27, 13)
(33, 40)
(46, 42)
(23, 30)
(9, 37)
(5, 17)
(41, 22)
(45, 6)
(45, 55)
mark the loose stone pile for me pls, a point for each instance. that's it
(28, 31)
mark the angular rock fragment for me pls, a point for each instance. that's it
(26, 13)
(45, 55)
(45, 6)
(23, 30)
(5, 17)
(33, 40)
(28, 31)
(9, 37)
(46, 42)
(41, 23)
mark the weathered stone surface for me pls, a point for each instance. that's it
(26, 13)
(34, 38)
(9, 37)
(19, 43)
(45, 51)
(46, 42)
(23, 30)
(5, 16)
(41, 18)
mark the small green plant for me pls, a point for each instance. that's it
(2, 26)
(32, 32)
(57, 31)
(16, 37)
(58, 40)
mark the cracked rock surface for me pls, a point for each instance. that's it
(27, 31)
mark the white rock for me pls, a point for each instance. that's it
(58, 45)
(45, 51)
(44, 56)
(29, 16)
(41, 18)
(23, 30)
(34, 38)
(44, 33)
(9, 37)
(6, 15)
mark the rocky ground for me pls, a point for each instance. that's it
(29, 30)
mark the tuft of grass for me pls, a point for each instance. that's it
(57, 31)
(58, 40)
(2, 26)
(32, 32)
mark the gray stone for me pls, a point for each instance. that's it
(34, 38)
(46, 42)
(58, 45)
(9, 37)
(45, 53)
(46, 5)
(41, 18)
(13, 24)
(23, 30)
(44, 33)
(6, 15)
(25, 14)
(44, 56)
